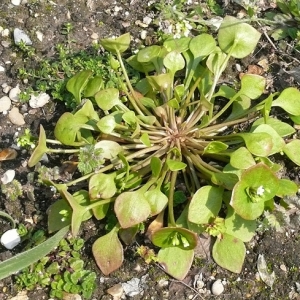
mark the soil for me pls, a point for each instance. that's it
(280, 250)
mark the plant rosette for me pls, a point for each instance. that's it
(135, 145)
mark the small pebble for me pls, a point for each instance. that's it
(2, 69)
(143, 34)
(5, 103)
(217, 288)
(14, 93)
(39, 101)
(8, 176)
(39, 36)
(10, 239)
(5, 32)
(20, 35)
(15, 117)
(95, 36)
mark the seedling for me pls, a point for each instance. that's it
(176, 125)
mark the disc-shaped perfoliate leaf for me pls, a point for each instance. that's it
(229, 252)
(157, 200)
(286, 188)
(39, 150)
(174, 61)
(132, 208)
(205, 204)
(252, 85)
(239, 227)
(175, 165)
(175, 261)
(67, 130)
(282, 128)
(237, 38)
(277, 140)
(202, 45)
(242, 158)
(110, 148)
(93, 86)
(108, 252)
(86, 113)
(174, 237)
(289, 101)
(102, 186)
(141, 67)
(148, 54)
(215, 61)
(59, 215)
(116, 45)
(257, 185)
(160, 82)
(77, 83)
(292, 151)
(106, 124)
(108, 98)
(82, 198)
(259, 144)
(215, 147)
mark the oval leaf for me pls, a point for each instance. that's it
(110, 149)
(157, 200)
(131, 208)
(202, 45)
(252, 85)
(116, 45)
(242, 159)
(175, 165)
(108, 252)
(229, 252)
(102, 186)
(292, 151)
(174, 61)
(205, 204)
(289, 101)
(108, 98)
(238, 39)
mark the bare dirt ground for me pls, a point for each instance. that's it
(100, 18)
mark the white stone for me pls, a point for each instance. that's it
(15, 117)
(95, 36)
(2, 69)
(39, 36)
(14, 93)
(143, 34)
(5, 103)
(10, 239)
(217, 287)
(8, 176)
(16, 2)
(147, 20)
(39, 100)
(5, 33)
(21, 36)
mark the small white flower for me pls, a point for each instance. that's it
(10, 239)
(260, 191)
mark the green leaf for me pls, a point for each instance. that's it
(226, 180)
(86, 113)
(77, 83)
(238, 227)
(67, 130)
(215, 147)
(107, 99)
(116, 45)
(108, 252)
(59, 215)
(257, 185)
(157, 200)
(205, 204)
(229, 252)
(174, 61)
(259, 144)
(180, 45)
(202, 45)
(132, 208)
(25, 259)
(39, 150)
(237, 38)
(160, 82)
(292, 151)
(145, 139)
(156, 166)
(242, 159)
(282, 128)
(107, 124)
(174, 237)
(289, 101)
(175, 165)
(110, 149)
(93, 86)
(215, 61)
(102, 186)
(175, 261)
(286, 188)
(148, 54)
(130, 118)
(173, 103)
(252, 85)
(277, 141)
